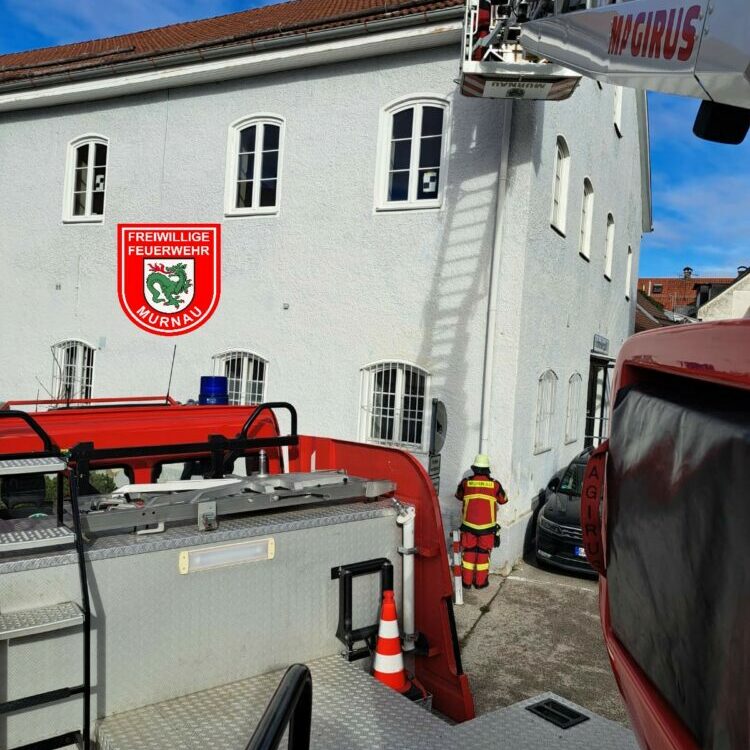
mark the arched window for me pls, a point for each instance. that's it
(560, 186)
(412, 153)
(72, 369)
(610, 247)
(617, 113)
(254, 151)
(573, 410)
(85, 179)
(629, 273)
(545, 410)
(587, 219)
(393, 404)
(246, 375)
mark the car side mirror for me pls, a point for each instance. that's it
(554, 483)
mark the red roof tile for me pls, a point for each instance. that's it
(678, 292)
(266, 22)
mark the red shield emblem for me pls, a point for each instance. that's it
(169, 275)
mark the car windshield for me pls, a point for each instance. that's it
(572, 479)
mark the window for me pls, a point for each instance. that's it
(574, 400)
(560, 186)
(393, 399)
(658, 289)
(246, 376)
(628, 272)
(587, 218)
(413, 154)
(610, 247)
(85, 179)
(617, 115)
(254, 166)
(72, 370)
(545, 410)
(597, 401)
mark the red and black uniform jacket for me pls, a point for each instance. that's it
(479, 494)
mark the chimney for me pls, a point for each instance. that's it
(741, 271)
(687, 272)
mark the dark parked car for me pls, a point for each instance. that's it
(558, 528)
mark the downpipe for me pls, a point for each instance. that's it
(407, 550)
(497, 248)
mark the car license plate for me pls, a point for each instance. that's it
(580, 552)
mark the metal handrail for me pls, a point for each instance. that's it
(291, 705)
(49, 446)
(270, 405)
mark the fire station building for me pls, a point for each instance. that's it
(386, 242)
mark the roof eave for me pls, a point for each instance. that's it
(255, 57)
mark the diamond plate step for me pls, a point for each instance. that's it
(14, 539)
(48, 465)
(39, 620)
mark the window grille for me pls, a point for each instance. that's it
(394, 398)
(246, 376)
(72, 370)
(545, 410)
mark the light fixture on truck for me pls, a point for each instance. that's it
(208, 558)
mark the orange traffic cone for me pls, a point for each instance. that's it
(388, 666)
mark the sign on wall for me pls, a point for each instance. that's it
(169, 275)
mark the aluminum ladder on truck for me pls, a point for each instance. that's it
(30, 535)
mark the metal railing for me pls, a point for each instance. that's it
(291, 705)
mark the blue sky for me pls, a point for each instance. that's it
(701, 190)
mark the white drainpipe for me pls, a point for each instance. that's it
(497, 248)
(405, 519)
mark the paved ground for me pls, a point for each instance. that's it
(534, 631)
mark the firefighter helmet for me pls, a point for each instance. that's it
(482, 461)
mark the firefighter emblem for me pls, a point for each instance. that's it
(168, 275)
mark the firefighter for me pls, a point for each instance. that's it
(479, 493)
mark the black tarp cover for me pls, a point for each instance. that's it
(678, 499)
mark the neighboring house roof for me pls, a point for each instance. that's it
(721, 296)
(678, 292)
(271, 21)
(649, 314)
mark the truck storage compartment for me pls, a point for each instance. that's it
(678, 525)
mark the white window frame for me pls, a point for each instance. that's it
(248, 359)
(232, 164)
(82, 383)
(617, 110)
(572, 413)
(587, 219)
(545, 411)
(629, 273)
(68, 216)
(418, 102)
(609, 249)
(367, 407)
(560, 186)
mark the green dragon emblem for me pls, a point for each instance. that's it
(167, 284)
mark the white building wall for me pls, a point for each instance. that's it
(731, 303)
(361, 286)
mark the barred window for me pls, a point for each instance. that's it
(246, 376)
(85, 180)
(72, 370)
(394, 395)
(574, 405)
(545, 410)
